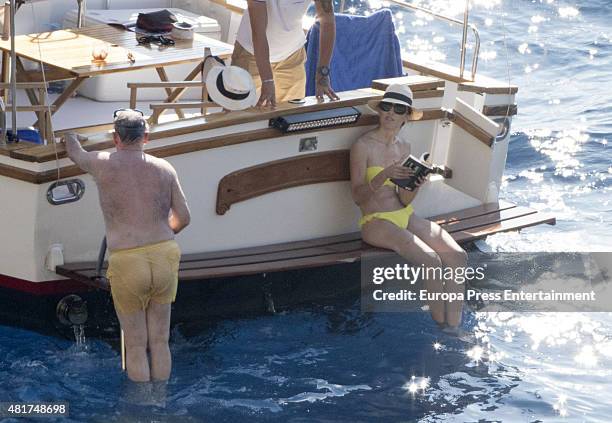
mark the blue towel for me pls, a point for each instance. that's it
(366, 49)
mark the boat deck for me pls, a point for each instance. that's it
(464, 225)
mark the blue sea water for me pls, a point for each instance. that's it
(339, 364)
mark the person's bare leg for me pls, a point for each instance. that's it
(134, 326)
(384, 234)
(158, 324)
(451, 254)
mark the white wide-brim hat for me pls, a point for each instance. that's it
(231, 87)
(398, 94)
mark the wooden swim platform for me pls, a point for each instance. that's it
(464, 225)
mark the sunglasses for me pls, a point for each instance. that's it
(118, 111)
(400, 109)
(156, 39)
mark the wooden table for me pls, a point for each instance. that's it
(68, 53)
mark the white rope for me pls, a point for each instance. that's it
(44, 78)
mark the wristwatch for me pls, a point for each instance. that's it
(323, 70)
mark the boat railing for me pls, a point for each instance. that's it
(465, 24)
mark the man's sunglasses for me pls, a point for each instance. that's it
(400, 109)
(116, 113)
(155, 39)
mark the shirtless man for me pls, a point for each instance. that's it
(143, 207)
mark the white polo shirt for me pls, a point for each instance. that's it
(284, 31)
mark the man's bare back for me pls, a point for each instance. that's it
(140, 195)
(135, 192)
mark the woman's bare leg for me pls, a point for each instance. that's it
(451, 254)
(384, 234)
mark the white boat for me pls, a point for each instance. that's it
(263, 200)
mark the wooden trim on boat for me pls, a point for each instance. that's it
(40, 177)
(500, 110)
(432, 114)
(484, 85)
(84, 130)
(415, 82)
(463, 225)
(175, 149)
(462, 215)
(42, 154)
(18, 173)
(474, 130)
(46, 153)
(243, 184)
(171, 150)
(429, 94)
(6, 149)
(437, 69)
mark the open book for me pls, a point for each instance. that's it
(421, 169)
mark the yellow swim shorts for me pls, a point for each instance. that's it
(399, 218)
(143, 274)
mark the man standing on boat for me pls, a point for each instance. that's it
(143, 207)
(270, 45)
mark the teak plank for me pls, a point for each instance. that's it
(355, 246)
(274, 266)
(47, 153)
(487, 219)
(471, 212)
(415, 82)
(323, 242)
(478, 221)
(521, 222)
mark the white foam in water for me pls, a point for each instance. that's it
(333, 390)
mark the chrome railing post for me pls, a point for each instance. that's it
(476, 51)
(465, 23)
(466, 15)
(82, 4)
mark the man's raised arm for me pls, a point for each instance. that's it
(83, 159)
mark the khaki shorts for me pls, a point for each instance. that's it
(143, 274)
(289, 74)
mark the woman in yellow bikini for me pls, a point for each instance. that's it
(388, 217)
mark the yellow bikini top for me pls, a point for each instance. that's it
(372, 171)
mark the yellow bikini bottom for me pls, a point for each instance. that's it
(400, 217)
